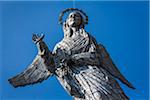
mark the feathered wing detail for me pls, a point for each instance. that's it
(41, 67)
(107, 64)
(36, 72)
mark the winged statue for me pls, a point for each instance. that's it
(83, 66)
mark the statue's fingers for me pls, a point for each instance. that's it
(39, 35)
(42, 36)
(34, 37)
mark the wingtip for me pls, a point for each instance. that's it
(132, 87)
(11, 82)
(126, 82)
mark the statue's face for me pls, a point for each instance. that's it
(74, 19)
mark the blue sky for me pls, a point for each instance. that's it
(122, 27)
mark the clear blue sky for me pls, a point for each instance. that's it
(121, 26)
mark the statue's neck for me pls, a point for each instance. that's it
(75, 29)
(72, 31)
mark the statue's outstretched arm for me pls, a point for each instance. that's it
(40, 69)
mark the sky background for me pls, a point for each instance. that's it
(122, 27)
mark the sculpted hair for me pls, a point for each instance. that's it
(83, 15)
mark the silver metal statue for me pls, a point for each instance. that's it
(83, 67)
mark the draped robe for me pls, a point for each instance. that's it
(86, 79)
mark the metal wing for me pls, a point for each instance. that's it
(35, 73)
(107, 64)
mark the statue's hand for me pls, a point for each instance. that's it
(37, 38)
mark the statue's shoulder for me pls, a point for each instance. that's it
(92, 38)
(87, 34)
(83, 32)
(93, 41)
(57, 46)
(60, 45)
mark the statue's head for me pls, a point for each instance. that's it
(76, 18)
